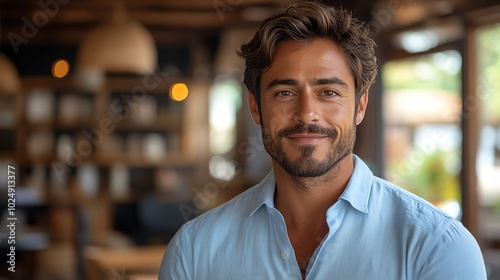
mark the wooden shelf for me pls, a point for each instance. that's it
(152, 84)
(9, 127)
(182, 129)
(163, 124)
(8, 154)
(43, 160)
(9, 94)
(170, 159)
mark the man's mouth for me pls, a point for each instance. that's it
(307, 131)
(307, 138)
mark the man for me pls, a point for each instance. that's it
(320, 214)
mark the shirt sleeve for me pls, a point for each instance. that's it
(456, 256)
(175, 264)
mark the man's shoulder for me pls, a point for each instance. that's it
(236, 210)
(415, 209)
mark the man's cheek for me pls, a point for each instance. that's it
(281, 114)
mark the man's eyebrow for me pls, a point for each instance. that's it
(331, 81)
(286, 82)
(316, 82)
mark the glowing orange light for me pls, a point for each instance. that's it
(60, 68)
(178, 92)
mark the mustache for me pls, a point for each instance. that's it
(307, 128)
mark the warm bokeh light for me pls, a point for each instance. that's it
(60, 68)
(179, 91)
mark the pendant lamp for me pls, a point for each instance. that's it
(121, 45)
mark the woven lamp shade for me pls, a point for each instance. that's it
(121, 45)
(9, 78)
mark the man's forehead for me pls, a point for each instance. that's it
(308, 61)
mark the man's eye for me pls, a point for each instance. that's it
(329, 93)
(284, 93)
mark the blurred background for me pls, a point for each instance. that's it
(124, 119)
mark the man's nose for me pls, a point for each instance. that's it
(306, 109)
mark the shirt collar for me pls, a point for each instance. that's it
(263, 194)
(357, 191)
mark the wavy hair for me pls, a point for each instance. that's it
(304, 22)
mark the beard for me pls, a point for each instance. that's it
(306, 165)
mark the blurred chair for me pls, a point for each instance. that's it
(159, 218)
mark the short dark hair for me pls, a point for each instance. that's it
(304, 22)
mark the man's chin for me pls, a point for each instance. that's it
(306, 168)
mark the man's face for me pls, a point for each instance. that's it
(308, 113)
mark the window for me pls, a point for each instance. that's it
(488, 156)
(422, 134)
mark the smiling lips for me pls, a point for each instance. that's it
(307, 138)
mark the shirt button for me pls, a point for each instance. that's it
(284, 255)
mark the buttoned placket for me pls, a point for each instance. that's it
(287, 254)
(334, 217)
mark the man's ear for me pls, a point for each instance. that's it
(254, 108)
(362, 103)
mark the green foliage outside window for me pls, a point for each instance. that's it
(430, 177)
(489, 71)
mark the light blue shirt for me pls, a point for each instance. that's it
(377, 231)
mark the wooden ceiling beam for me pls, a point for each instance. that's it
(56, 35)
(192, 4)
